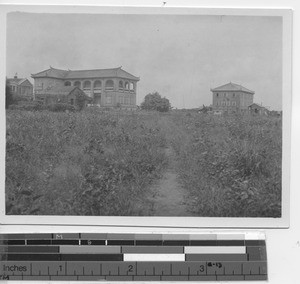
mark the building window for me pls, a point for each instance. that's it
(109, 85)
(127, 100)
(39, 86)
(86, 85)
(131, 100)
(77, 84)
(121, 85)
(224, 95)
(217, 94)
(97, 85)
(126, 86)
(131, 87)
(223, 103)
(108, 99)
(72, 102)
(233, 103)
(121, 99)
(233, 95)
(68, 83)
(228, 103)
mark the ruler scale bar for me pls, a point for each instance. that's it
(132, 257)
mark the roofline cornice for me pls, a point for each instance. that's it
(250, 92)
(52, 77)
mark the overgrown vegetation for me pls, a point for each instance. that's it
(231, 165)
(102, 163)
(84, 163)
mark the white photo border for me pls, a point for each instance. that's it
(174, 222)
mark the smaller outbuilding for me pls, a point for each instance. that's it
(20, 86)
(256, 109)
(70, 95)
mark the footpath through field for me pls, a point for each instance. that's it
(168, 197)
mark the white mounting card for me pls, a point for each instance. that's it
(214, 151)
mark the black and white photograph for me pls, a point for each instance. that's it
(145, 114)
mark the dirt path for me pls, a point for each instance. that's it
(168, 195)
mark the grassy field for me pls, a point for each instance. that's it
(231, 166)
(103, 163)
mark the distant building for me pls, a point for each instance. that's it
(232, 98)
(20, 86)
(71, 95)
(106, 87)
(256, 109)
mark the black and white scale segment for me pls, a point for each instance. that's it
(132, 257)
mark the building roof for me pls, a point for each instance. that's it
(85, 74)
(232, 87)
(61, 92)
(254, 105)
(17, 81)
(65, 90)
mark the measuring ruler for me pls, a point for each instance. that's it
(132, 257)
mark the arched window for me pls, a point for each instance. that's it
(126, 86)
(97, 85)
(120, 85)
(86, 85)
(77, 84)
(131, 86)
(68, 83)
(109, 85)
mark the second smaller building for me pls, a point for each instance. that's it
(70, 95)
(232, 98)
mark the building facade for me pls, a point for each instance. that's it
(20, 86)
(232, 98)
(106, 87)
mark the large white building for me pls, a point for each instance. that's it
(106, 87)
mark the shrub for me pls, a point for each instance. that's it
(8, 96)
(154, 101)
(60, 107)
(29, 106)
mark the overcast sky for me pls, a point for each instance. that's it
(181, 57)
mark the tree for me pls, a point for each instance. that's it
(8, 96)
(154, 101)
